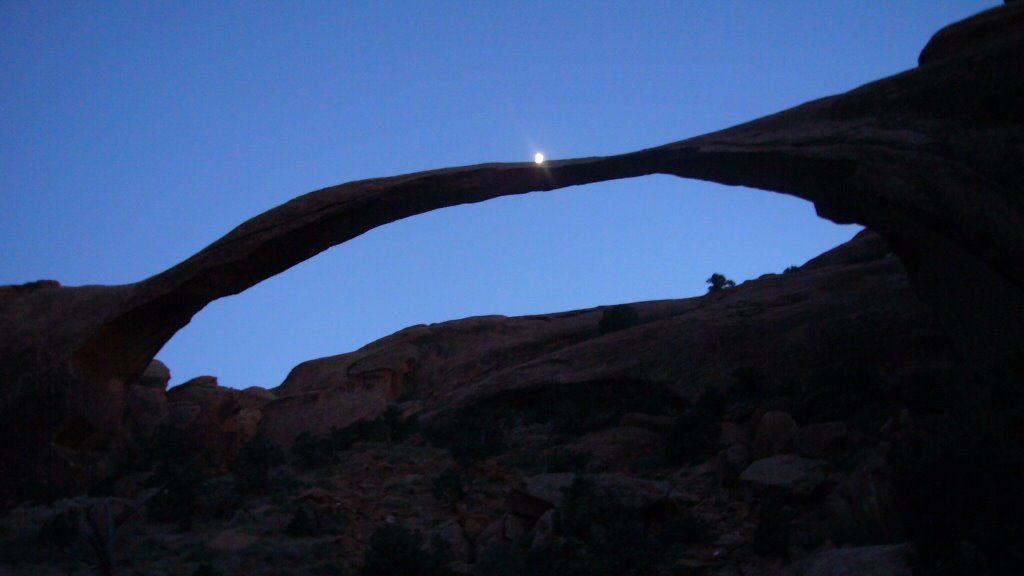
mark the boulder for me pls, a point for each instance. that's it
(870, 496)
(660, 424)
(146, 410)
(616, 448)
(732, 434)
(232, 541)
(156, 375)
(775, 434)
(509, 528)
(458, 546)
(730, 463)
(216, 421)
(617, 489)
(543, 530)
(889, 560)
(788, 476)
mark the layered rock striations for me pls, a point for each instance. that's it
(927, 159)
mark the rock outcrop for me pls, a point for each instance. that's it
(829, 321)
(928, 159)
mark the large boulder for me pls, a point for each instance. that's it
(776, 434)
(787, 476)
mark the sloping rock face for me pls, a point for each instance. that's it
(927, 158)
(824, 322)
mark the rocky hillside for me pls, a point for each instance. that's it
(790, 425)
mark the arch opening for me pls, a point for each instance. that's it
(646, 238)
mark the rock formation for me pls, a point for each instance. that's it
(928, 159)
(508, 410)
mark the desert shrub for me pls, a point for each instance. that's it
(772, 535)
(254, 462)
(169, 455)
(617, 318)
(575, 409)
(206, 570)
(303, 523)
(717, 282)
(686, 528)
(394, 427)
(313, 451)
(748, 383)
(218, 497)
(961, 494)
(394, 549)
(596, 536)
(565, 460)
(695, 431)
(61, 529)
(472, 436)
(538, 460)
(176, 503)
(450, 485)
(581, 511)
(503, 559)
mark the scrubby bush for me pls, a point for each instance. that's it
(565, 460)
(254, 463)
(686, 529)
(394, 549)
(503, 559)
(61, 529)
(313, 451)
(169, 455)
(450, 485)
(717, 282)
(772, 535)
(696, 430)
(206, 570)
(303, 523)
(617, 318)
(596, 536)
(176, 503)
(472, 436)
(961, 496)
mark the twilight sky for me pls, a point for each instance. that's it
(133, 134)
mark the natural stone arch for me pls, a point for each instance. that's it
(927, 158)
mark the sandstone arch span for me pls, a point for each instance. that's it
(928, 158)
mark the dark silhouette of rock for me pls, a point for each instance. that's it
(787, 475)
(928, 158)
(890, 560)
(776, 434)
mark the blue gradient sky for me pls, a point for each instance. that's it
(133, 134)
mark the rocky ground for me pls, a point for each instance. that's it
(812, 422)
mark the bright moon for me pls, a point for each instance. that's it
(538, 158)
